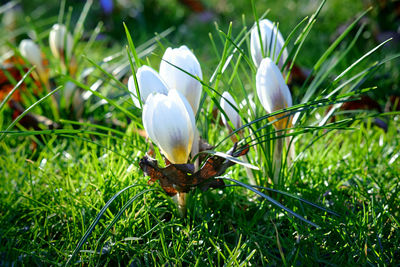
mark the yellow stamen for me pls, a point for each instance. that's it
(179, 155)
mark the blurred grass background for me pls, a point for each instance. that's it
(193, 20)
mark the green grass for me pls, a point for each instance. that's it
(49, 199)
(55, 183)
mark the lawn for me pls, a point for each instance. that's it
(317, 182)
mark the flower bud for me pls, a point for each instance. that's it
(272, 91)
(228, 104)
(173, 67)
(169, 121)
(31, 51)
(58, 39)
(272, 42)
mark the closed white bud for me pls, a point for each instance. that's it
(149, 81)
(228, 104)
(272, 91)
(60, 41)
(173, 67)
(31, 51)
(272, 42)
(169, 121)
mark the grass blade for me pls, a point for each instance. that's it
(273, 201)
(29, 109)
(95, 222)
(5, 100)
(116, 218)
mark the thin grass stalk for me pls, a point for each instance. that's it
(291, 153)
(196, 149)
(54, 104)
(279, 144)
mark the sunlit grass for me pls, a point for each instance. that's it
(50, 198)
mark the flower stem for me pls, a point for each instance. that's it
(249, 173)
(181, 201)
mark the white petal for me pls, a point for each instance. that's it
(149, 81)
(132, 90)
(147, 115)
(271, 88)
(272, 41)
(226, 103)
(58, 38)
(175, 78)
(178, 96)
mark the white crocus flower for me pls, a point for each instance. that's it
(69, 91)
(149, 81)
(272, 41)
(272, 90)
(73, 98)
(169, 121)
(59, 38)
(227, 104)
(31, 51)
(171, 66)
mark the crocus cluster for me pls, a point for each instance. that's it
(60, 42)
(272, 90)
(266, 44)
(171, 99)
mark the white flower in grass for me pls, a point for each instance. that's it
(249, 105)
(69, 91)
(149, 81)
(272, 91)
(272, 41)
(59, 38)
(31, 51)
(169, 121)
(227, 104)
(173, 67)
